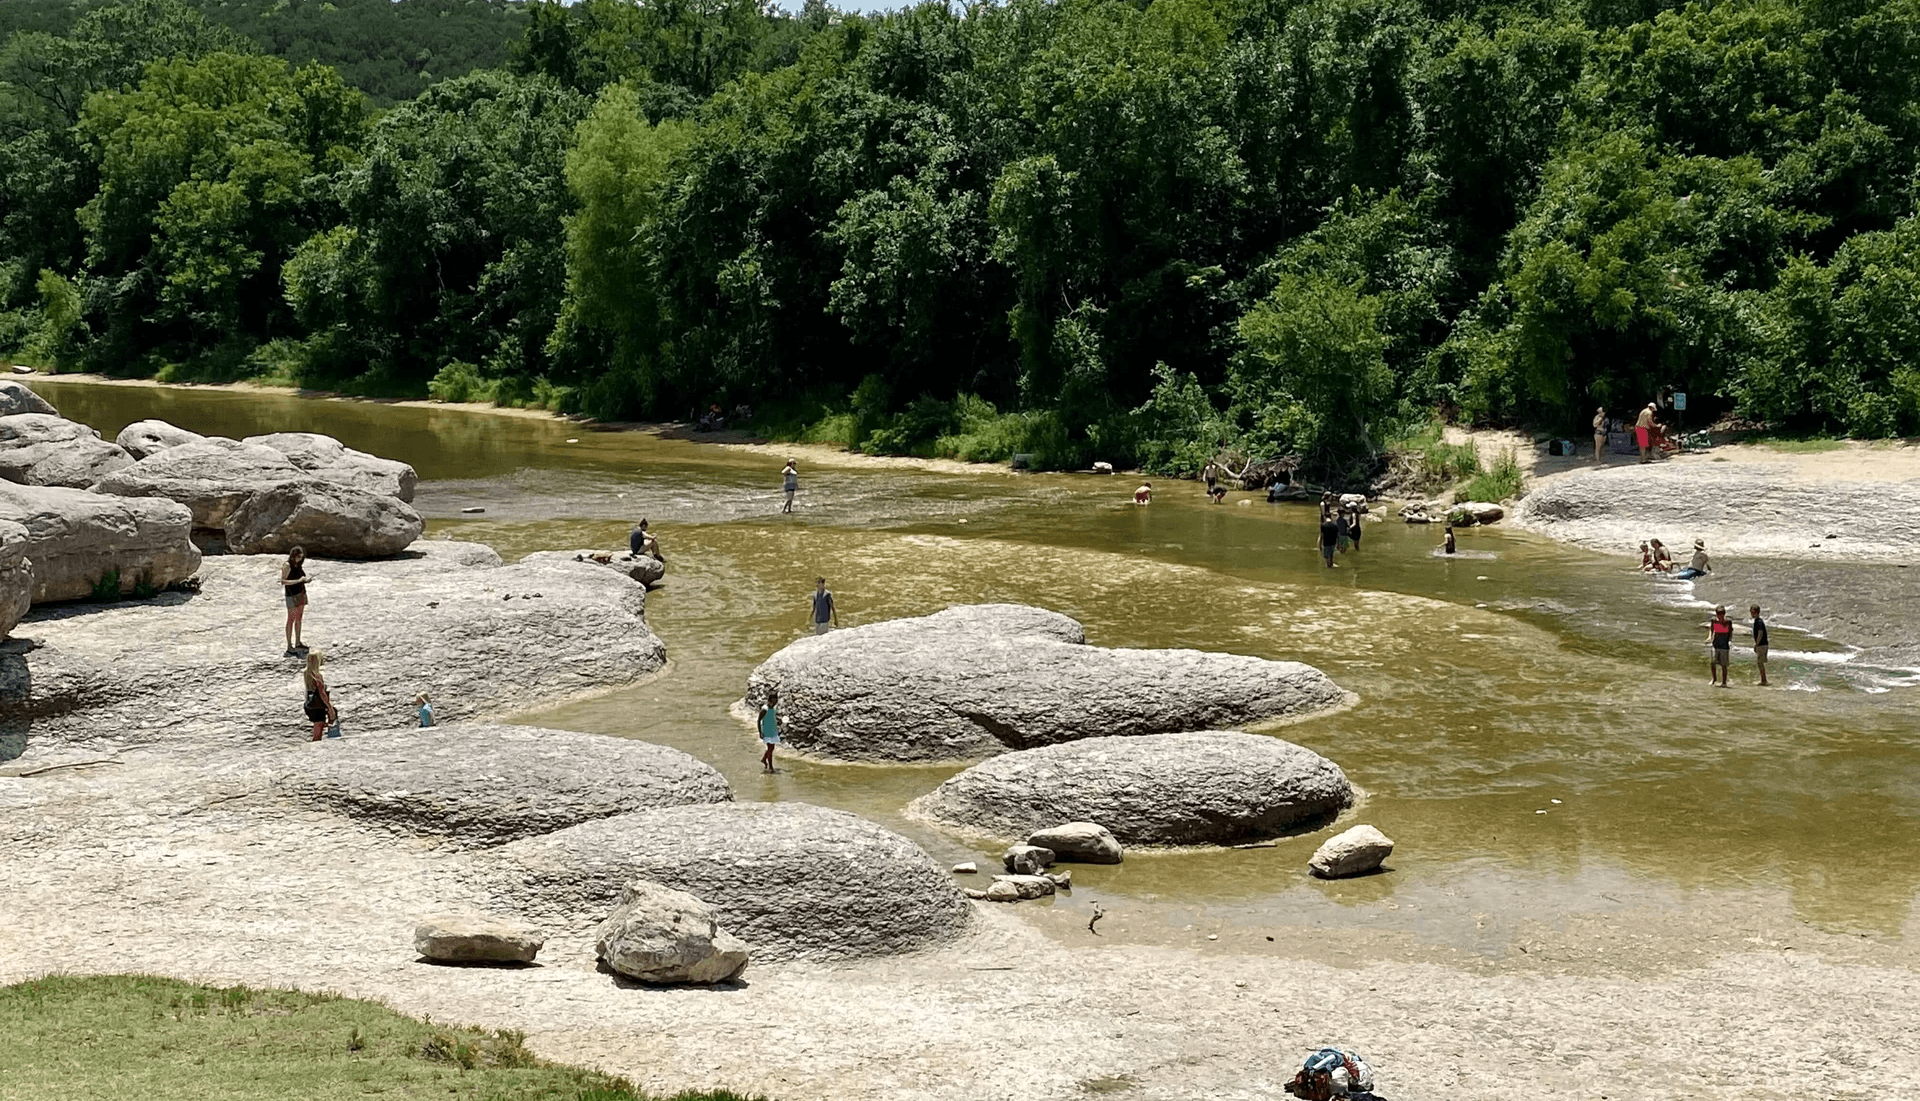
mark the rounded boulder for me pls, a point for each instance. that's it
(1210, 787)
(328, 519)
(972, 681)
(792, 879)
(479, 784)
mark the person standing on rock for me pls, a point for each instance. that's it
(293, 582)
(1600, 434)
(425, 704)
(825, 618)
(769, 724)
(1759, 642)
(319, 706)
(1720, 638)
(1643, 433)
(790, 481)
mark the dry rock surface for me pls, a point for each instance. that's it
(143, 438)
(17, 397)
(39, 449)
(1203, 788)
(16, 576)
(327, 519)
(976, 680)
(794, 880)
(1739, 508)
(211, 477)
(460, 939)
(497, 639)
(329, 460)
(662, 936)
(1357, 851)
(478, 784)
(643, 568)
(76, 538)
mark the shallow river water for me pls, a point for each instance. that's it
(1535, 728)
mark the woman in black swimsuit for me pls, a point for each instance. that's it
(293, 580)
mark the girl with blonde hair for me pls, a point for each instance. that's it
(319, 706)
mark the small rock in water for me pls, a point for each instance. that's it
(471, 509)
(1000, 891)
(968, 868)
(976, 894)
(1025, 886)
(1062, 880)
(1355, 852)
(1027, 859)
(574, 440)
(1084, 842)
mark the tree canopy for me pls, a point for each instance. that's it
(1142, 230)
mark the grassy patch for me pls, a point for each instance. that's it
(1497, 484)
(1803, 446)
(130, 1036)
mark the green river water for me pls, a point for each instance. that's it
(1535, 728)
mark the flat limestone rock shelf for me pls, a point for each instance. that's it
(484, 639)
(1208, 787)
(792, 879)
(975, 680)
(479, 784)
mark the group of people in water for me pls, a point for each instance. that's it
(1656, 558)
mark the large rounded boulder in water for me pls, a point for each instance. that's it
(480, 784)
(1209, 787)
(792, 879)
(976, 680)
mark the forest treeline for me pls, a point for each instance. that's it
(1078, 228)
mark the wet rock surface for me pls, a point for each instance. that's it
(1203, 788)
(1079, 842)
(75, 539)
(327, 519)
(486, 641)
(479, 784)
(976, 680)
(794, 880)
(643, 568)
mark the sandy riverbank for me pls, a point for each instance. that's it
(201, 873)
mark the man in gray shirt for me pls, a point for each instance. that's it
(824, 617)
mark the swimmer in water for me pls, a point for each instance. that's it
(1446, 542)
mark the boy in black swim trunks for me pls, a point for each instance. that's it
(1759, 642)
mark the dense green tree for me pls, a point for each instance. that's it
(452, 244)
(206, 185)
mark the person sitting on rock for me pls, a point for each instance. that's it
(1662, 557)
(769, 724)
(319, 706)
(641, 542)
(1646, 558)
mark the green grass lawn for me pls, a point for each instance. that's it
(139, 1038)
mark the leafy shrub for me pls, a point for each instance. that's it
(1497, 484)
(459, 381)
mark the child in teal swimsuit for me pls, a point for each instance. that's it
(769, 728)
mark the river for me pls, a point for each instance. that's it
(1535, 727)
